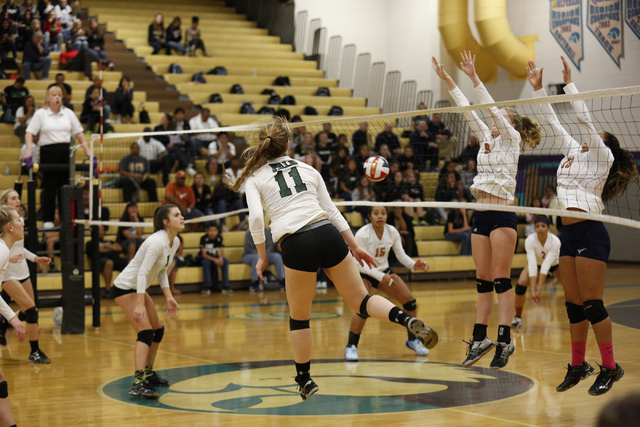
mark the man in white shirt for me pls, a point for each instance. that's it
(220, 154)
(204, 121)
(64, 15)
(152, 150)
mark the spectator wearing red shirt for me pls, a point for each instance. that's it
(183, 197)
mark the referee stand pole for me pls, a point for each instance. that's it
(95, 265)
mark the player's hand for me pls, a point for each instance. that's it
(535, 294)
(260, 266)
(468, 63)
(534, 75)
(21, 333)
(387, 280)
(139, 313)
(172, 308)
(16, 258)
(439, 69)
(42, 260)
(363, 257)
(566, 71)
(421, 265)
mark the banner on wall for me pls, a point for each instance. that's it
(632, 16)
(604, 19)
(566, 27)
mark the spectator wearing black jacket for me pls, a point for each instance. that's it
(414, 193)
(442, 135)
(13, 97)
(91, 110)
(331, 137)
(408, 160)
(36, 57)
(203, 196)
(403, 223)
(360, 137)
(124, 100)
(224, 199)
(189, 143)
(156, 35)
(397, 190)
(470, 151)
(174, 37)
(424, 146)
(95, 38)
(175, 155)
(390, 139)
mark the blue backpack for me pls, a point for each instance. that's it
(175, 69)
(198, 78)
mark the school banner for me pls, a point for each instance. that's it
(604, 19)
(632, 16)
(566, 27)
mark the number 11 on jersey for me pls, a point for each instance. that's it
(284, 188)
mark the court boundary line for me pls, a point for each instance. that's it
(492, 417)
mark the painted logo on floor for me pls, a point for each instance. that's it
(367, 387)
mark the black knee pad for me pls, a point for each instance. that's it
(484, 286)
(360, 315)
(31, 315)
(21, 316)
(502, 285)
(521, 290)
(4, 390)
(410, 306)
(158, 334)
(296, 325)
(363, 307)
(575, 313)
(146, 336)
(594, 311)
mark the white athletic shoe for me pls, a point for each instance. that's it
(416, 345)
(517, 322)
(351, 353)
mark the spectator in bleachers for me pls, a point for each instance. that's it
(44, 7)
(331, 137)
(36, 57)
(172, 270)
(233, 172)
(220, 154)
(306, 152)
(65, 16)
(7, 43)
(109, 259)
(153, 150)
(450, 167)
(13, 97)
(130, 238)
(174, 37)
(297, 136)
(224, 200)
(442, 135)
(403, 223)
(187, 141)
(414, 192)
(183, 197)
(250, 257)
(360, 137)
(408, 160)
(337, 169)
(325, 153)
(52, 30)
(204, 121)
(78, 37)
(24, 114)
(95, 38)
(25, 33)
(390, 139)
(175, 154)
(365, 153)
(383, 151)
(448, 190)
(550, 200)
(425, 147)
(106, 108)
(91, 111)
(397, 190)
(467, 174)
(363, 193)
(211, 257)
(420, 118)
(457, 229)
(193, 38)
(66, 91)
(470, 151)
(123, 104)
(348, 181)
(28, 6)
(134, 173)
(12, 9)
(156, 34)
(202, 192)
(530, 218)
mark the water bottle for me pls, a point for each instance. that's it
(7, 170)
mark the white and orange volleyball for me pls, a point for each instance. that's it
(376, 168)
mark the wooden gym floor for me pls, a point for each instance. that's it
(229, 359)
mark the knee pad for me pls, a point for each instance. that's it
(146, 336)
(296, 325)
(502, 285)
(31, 315)
(4, 390)
(484, 286)
(363, 307)
(410, 306)
(22, 316)
(521, 290)
(594, 311)
(575, 313)
(158, 334)
(360, 315)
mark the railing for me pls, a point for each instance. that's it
(376, 85)
(332, 65)
(392, 85)
(348, 66)
(407, 101)
(300, 31)
(361, 83)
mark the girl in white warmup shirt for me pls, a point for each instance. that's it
(591, 173)
(11, 231)
(130, 292)
(378, 238)
(17, 284)
(543, 249)
(494, 233)
(312, 234)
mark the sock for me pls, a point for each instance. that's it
(139, 376)
(398, 316)
(504, 334)
(34, 345)
(148, 369)
(577, 353)
(410, 336)
(354, 339)
(303, 370)
(606, 351)
(479, 332)
(519, 311)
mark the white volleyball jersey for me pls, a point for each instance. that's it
(379, 249)
(293, 194)
(544, 256)
(5, 253)
(19, 270)
(498, 157)
(581, 176)
(151, 261)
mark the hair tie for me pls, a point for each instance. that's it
(542, 218)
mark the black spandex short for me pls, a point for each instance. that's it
(375, 282)
(484, 222)
(310, 250)
(117, 292)
(553, 268)
(587, 239)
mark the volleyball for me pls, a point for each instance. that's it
(376, 168)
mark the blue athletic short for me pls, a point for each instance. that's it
(587, 239)
(484, 222)
(375, 282)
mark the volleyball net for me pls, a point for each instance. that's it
(432, 152)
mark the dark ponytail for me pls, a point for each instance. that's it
(623, 171)
(160, 215)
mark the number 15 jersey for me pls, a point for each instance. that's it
(293, 194)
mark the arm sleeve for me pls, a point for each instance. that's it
(597, 148)
(150, 258)
(561, 137)
(551, 257)
(373, 272)
(532, 261)
(479, 128)
(29, 255)
(399, 250)
(328, 206)
(507, 131)
(163, 279)
(256, 213)
(6, 311)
